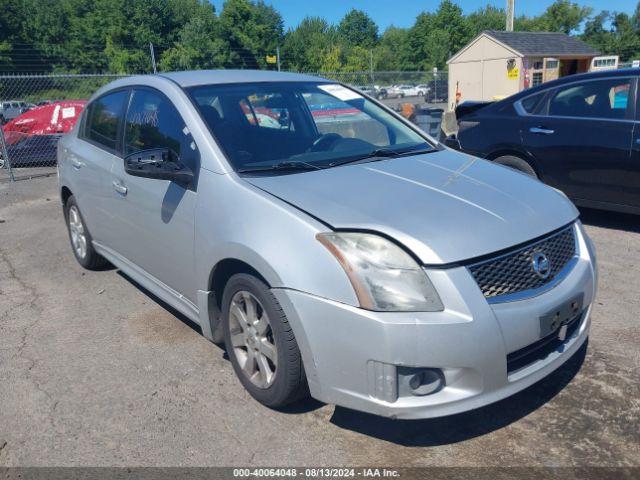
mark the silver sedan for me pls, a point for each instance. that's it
(334, 248)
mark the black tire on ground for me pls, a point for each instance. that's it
(91, 259)
(289, 383)
(517, 163)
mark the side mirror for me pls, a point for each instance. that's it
(158, 163)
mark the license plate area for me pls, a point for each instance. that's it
(557, 319)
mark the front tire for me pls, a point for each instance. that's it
(81, 241)
(518, 164)
(260, 343)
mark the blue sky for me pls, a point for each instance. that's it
(403, 12)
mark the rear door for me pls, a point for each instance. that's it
(153, 220)
(581, 135)
(89, 160)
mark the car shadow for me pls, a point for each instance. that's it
(463, 426)
(612, 220)
(179, 315)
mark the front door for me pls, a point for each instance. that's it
(581, 137)
(154, 219)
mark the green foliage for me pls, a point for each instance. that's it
(615, 34)
(358, 29)
(92, 36)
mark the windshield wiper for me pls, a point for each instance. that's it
(381, 153)
(286, 165)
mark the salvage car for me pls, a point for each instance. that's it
(580, 134)
(367, 266)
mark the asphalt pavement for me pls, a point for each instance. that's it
(95, 371)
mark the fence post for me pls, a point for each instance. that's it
(5, 155)
(153, 57)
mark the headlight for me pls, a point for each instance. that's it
(384, 277)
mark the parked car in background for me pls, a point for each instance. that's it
(11, 109)
(401, 91)
(373, 91)
(579, 134)
(438, 91)
(32, 151)
(422, 89)
(331, 253)
(32, 136)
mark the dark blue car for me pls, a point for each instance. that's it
(580, 134)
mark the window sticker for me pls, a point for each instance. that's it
(69, 112)
(340, 92)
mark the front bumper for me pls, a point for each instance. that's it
(351, 355)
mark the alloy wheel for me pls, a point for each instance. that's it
(76, 228)
(252, 339)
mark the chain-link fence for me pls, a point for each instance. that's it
(36, 110)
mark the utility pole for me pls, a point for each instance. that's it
(510, 14)
(153, 58)
(278, 56)
(371, 66)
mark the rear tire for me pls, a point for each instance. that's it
(81, 241)
(517, 163)
(257, 332)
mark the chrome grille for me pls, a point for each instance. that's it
(514, 273)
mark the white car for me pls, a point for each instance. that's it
(423, 89)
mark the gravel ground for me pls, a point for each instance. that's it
(94, 371)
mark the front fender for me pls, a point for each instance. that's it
(237, 220)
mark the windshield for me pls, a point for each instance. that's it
(306, 125)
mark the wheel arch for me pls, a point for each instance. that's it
(516, 153)
(219, 275)
(65, 193)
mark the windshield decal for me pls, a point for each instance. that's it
(340, 92)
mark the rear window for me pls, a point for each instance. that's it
(103, 119)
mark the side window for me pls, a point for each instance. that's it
(103, 118)
(153, 122)
(529, 104)
(596, 99)
(332, 115)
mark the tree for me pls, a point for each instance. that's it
(436, 36)
(199, 45)
(487, 18)
(306, 46)
(251, 31)
(358, 29)
(563, 16)
(597, 35)
(393, 50)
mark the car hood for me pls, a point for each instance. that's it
(444, 206)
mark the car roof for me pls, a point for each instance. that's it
(206, 77)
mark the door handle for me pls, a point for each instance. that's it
(75, 162)
(120, 188)
(541, 130)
